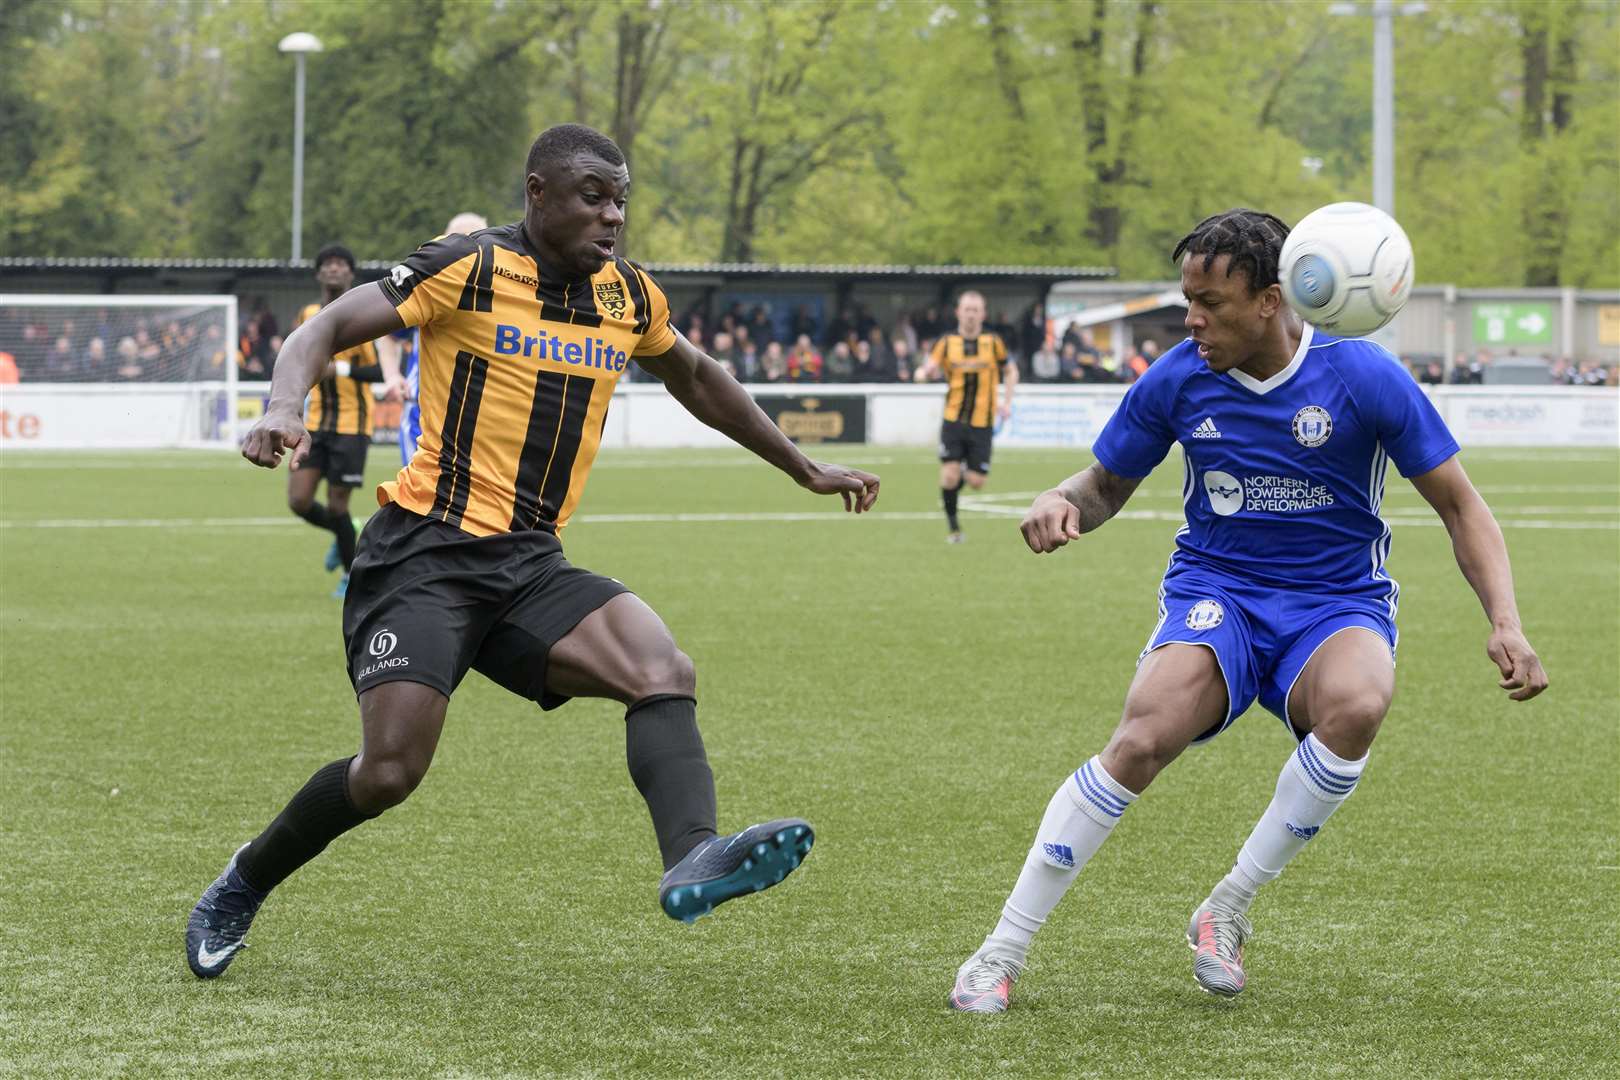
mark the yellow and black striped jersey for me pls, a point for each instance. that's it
(517, 366)
(341, 404)
(973, 366)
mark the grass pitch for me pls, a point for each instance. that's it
(172, 672)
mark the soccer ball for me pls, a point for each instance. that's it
(1346, 268)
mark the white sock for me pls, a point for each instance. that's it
(1313, 783)
(1079, 818)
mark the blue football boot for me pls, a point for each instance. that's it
(726, 867)
(220, 921)
(342, 589)
(333, 559)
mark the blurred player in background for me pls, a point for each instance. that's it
(982, 379)
(338, 417)
(408, 341)
(526, 329)
(1276, 590)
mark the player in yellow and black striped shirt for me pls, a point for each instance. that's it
(338, 418)
(981, 381)
(525, 330)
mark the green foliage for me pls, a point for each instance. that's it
(975, 131)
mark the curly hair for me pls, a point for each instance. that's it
(1252, 238)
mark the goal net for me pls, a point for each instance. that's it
(117, 371)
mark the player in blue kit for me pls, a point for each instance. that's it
(1276, 589)
(409, 343)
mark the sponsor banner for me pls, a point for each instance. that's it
(94, 415)
(1051, 419)
(817, 418)
(1609, 324)
(1550, 418)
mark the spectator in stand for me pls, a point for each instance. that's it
(747, 354)
(874, 361)
(906, 332)
(725, 352)
(840, 365)
(1433, 373)
(253, 357)
(1044, 365)
(1031, 337)
(96, 367)
(129, 358)
(803, 362)
(773, 363)
(842, 325)
(901, 350)
(1591, 373)
(803, 325)
(1142, 360)
(760, 328)
(1470, 372)
(1563, 372)
(62, 365)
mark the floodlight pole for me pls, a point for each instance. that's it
(1383, 105)
(300, 45)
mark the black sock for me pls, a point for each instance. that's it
(949, 495)
(665, 754)
(317, 815)
(315, 514)
(342, 525)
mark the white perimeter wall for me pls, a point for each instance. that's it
(644, 415)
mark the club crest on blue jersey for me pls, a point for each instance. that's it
(1225, 492)
(1205, 615)
(1312, 426)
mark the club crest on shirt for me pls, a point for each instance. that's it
(1205, 615)
(1312, 426)
(610, 295)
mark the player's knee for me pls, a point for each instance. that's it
(669, 671)
(300, 504)
(381, 782)
(1349, 722)
(975, 480)
(1140, 750)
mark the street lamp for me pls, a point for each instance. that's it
(299, 45)
(1383, 12)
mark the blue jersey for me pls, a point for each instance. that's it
(1284, 478)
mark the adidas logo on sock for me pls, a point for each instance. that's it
(1061, 854)
(1207, 430)
(1304, 832)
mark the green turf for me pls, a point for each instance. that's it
(165, 689)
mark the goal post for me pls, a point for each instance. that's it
(111, 371)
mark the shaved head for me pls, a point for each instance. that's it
(466, 223)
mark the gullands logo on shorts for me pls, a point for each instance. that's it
(382, 643)
(591, 353)
(1205, 615)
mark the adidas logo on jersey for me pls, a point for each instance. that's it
(1207, 430)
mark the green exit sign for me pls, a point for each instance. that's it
(1513, 324)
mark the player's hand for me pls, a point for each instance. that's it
(1522, 674)
(1052, 521)
(394, 389)
(1003, 412)
(859, 489)
(276, 433)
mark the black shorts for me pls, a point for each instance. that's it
(967, 444)
(426, 602)
(341, 459)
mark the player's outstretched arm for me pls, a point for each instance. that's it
(1078, 505)
(1476, 541)
(709, 393)
(358, 315)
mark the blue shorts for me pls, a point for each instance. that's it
(410, 430)
(1262, 638)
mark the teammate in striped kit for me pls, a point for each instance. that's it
(1276, 589)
